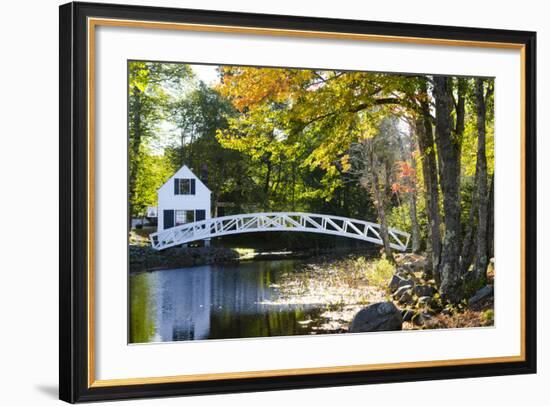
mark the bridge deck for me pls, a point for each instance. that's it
(278, 221)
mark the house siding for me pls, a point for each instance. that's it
(169, 200)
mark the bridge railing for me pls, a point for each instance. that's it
(277, 221)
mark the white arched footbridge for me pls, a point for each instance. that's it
(262, 222)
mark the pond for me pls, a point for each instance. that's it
(235, 300)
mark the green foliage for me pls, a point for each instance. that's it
(399, 217)
(488, 316)
(279, 139)
(199, 116)
(298, 125)
(153, 171)
(150, 89)
(469, 140)
(378, 272)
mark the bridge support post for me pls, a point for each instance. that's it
(207, 242)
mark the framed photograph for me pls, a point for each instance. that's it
(255, 202)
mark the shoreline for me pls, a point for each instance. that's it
(143, 258)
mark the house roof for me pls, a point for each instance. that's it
(185, 172)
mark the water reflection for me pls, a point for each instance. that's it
(218, 301)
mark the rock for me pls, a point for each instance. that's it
(407, 314)
(406, 282)
(435, 305)
(407, 279)
(419, 265)
(424, 290)
(406, 298)
(424, 301)
(483, 293)
(395, 283)
(382, 316)
(416, 319)
(399, 292)
(404, 270)
(419, 319)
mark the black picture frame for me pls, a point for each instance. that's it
(74, 385)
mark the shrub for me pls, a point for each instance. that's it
(488, 316)
(379, 272)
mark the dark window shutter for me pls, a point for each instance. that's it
(200, 215)
(176, 182)
(168, 219)
(192, 186)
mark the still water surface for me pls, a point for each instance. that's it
(214, 302)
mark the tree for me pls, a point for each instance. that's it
(482, 195)
(448, 147)
(301, 122)
(317, 139)
(199, 115)
(149, 85)
(407, 181)
(152, 172)
(415, 102)
(426, 144)
(368, 161)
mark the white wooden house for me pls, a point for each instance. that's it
(184, 198)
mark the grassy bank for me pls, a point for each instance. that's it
(346, 284)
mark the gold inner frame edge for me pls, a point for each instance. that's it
(94, 22)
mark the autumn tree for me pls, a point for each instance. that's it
(198, 116)
(406, 182)
(369, 160)
(302, 120)
(331, 141)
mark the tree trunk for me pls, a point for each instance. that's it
(407, 156)
(413, 206)
(468, 251)
(482, 196)
(448, 148)
(414, 222)
(426, 146)
(135, 144)
(460, 117)
(382, 217)
(468, 245)
(379, 198)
